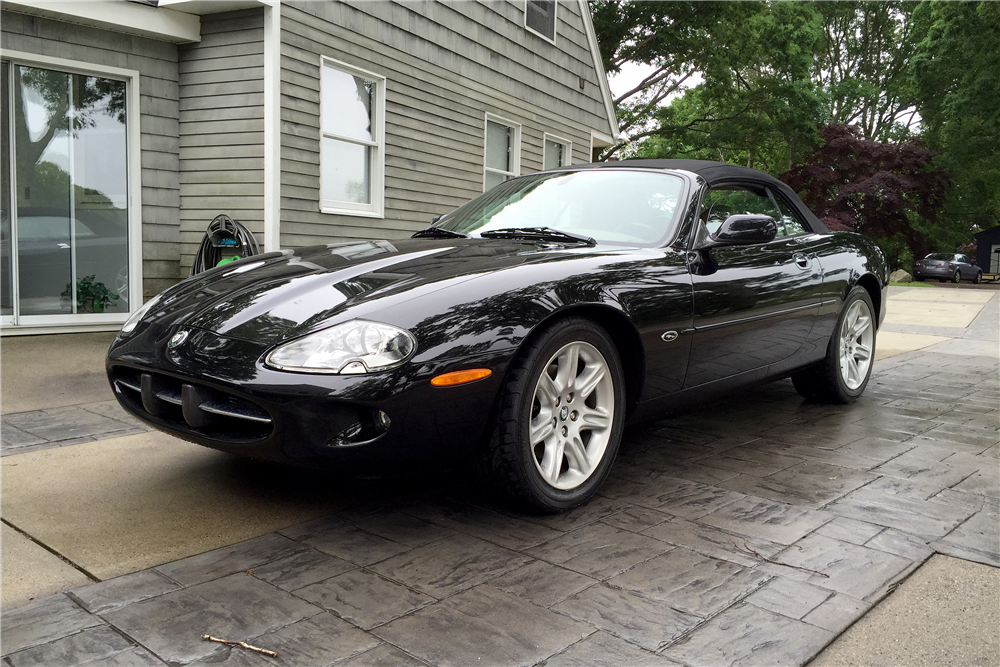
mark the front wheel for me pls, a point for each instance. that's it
(843, 375)
(559, 419)
(978, 279)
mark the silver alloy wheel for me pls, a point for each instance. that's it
(857, 342)
(572, 412)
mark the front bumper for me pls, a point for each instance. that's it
(215, 391)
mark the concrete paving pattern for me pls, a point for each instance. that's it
(753, 532)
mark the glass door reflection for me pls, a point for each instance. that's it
(70, 227)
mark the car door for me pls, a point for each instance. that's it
(754, 305)
(969, 270)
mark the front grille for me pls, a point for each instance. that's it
(191, 407)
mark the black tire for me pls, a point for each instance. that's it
(509, 461)
(942, 280)
(825, 381)
(919, 279)
(978, 279)
(957, 278)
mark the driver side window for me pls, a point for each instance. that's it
(723, 201)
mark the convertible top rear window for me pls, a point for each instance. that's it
(621, 207)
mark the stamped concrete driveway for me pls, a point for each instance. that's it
(750, 532)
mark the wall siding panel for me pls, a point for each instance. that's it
(156, 63)
(222, 127)
(446, 65)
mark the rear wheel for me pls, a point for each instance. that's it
(843, 375)
(957, 277)
(559, 421)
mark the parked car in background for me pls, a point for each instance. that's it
(519, 332)
(947, 266)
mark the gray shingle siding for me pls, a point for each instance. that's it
(156, 63)
(446, 65)
(222, 127)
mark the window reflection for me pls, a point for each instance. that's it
(71, 192)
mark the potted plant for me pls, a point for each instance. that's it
(91, 296)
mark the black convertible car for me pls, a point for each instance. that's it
(521, 331)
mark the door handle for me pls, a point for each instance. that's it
(801, 260)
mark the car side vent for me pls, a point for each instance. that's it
(192, 407)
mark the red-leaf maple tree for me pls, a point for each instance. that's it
(873, 188)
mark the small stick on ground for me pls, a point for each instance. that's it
(273, 654)
(747, 549)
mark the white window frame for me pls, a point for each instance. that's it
(555, 23)
(376, 209)
(567, 156)
(515, 161)
(66, 323)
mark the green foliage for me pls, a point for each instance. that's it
(955, 72)
(863, 66)
(677, 38)
(777, 74)
(90, 294)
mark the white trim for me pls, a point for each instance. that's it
(75, 327)
(133, 149)
(376, 209)
(133, 143)
(602, 76)
(272, 126)
(166, 25)
(71, 66)
(599, 139)
(567, 156)
(555, 22)
(515, 162)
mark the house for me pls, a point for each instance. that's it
(988, 250)
(129, 125)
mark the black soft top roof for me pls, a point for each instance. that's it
(716, 173)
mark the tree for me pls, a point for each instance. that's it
(863, 66)
(954, 71)
(888, 192)
(676, 38)
(757, 105)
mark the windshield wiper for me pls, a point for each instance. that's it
(540, 233)
(438, 233)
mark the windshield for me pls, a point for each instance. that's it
(620, 207)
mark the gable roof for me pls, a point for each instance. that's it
(602, 76)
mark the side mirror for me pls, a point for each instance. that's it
(436, 218)
(744, 230)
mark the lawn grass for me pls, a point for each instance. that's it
(913, 284)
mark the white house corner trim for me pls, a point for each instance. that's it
(602, 76)
(272, 126)
(134, 173)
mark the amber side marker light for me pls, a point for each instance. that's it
(460, 377)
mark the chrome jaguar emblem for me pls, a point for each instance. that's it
(178, 338)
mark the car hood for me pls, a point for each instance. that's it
(283, 295)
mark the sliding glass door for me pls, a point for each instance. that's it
(65, 255)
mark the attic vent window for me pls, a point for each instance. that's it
(540, 17)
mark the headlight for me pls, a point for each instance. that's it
(134, 318)
(350, 348)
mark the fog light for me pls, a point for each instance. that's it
(384, 420)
